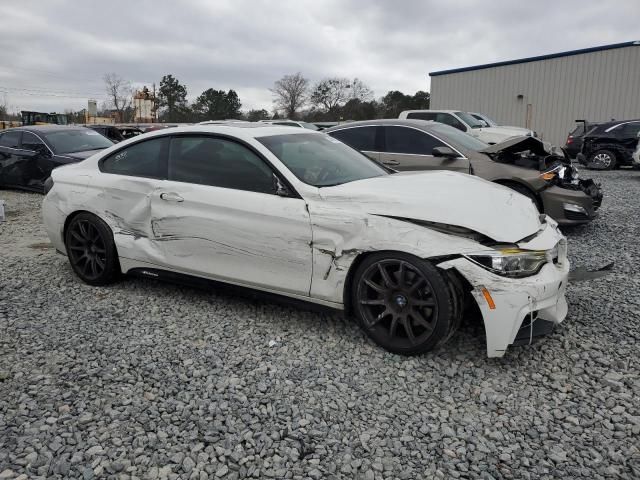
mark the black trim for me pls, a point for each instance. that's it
(223, 287)
(568, 53)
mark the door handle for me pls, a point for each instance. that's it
(171, 197)
(391, 162)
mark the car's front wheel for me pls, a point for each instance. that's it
(602, 160)
(91, 250)
(402, 302)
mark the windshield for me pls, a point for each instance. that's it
(320, 160)
(489, 121)
(77, 140)
(456, 137)
(470, 120)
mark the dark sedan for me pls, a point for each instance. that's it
(29, 154)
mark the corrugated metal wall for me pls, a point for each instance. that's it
(595, 86)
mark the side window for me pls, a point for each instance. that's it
(219, 163)
(33, 143)
(10, 139)
(409, 141)
(449, 119)
(422, 115)
(143, 159)
(360, 138)
(631, 129)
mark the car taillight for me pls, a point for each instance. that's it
(569, 139)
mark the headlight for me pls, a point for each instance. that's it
(559, 171)
(514, 262)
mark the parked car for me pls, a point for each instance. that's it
(573, 144)
(610, 145)
(636, 157)
(489, 122)
(466, 122)
(292, 123)
(109, 131)
(300, 214)
(522, 163)
(29, 154)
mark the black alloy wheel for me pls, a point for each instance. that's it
(402, 303)
(91, 250)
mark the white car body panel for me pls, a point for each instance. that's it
(305, 247)
(490, 135)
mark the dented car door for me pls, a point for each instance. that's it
(221, 216)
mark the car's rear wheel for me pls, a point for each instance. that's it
(91, 250)
(602, 160)
(402, 302)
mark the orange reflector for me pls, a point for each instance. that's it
(548, 176)
(487, 297)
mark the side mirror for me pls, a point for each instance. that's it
(280, 188)
(445, 152)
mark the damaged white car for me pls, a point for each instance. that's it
(300, 214)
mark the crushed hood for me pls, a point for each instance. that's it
(517, 145)
(443, 197)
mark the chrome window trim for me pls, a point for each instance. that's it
(461, 156)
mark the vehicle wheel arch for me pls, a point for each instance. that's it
(75, 213)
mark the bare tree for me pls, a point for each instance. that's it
(119, 92)
(290, 93)
(360, 91)
(331, 93)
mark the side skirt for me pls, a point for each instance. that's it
(146, 270)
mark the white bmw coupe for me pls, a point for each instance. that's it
(300, 214)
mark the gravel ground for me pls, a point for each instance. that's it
(151, 380)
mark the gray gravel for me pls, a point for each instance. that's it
(151, 380)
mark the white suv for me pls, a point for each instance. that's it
(468, 123)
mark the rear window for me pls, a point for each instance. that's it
(10, 139)
(77, 140)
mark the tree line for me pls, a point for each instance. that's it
(294, 97)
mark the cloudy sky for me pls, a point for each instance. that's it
(54, 53)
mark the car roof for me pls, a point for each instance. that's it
(421, 124)
(432, 110)
(249, 129)
(46, 128)
(608, 126)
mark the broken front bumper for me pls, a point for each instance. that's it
(516, 302)
(572, 204)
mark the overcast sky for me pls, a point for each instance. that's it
(54, 53)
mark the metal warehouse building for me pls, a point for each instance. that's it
(547, 93)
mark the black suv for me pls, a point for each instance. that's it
(610, 144)
(574, 139)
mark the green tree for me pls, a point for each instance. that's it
(395, 102)
(172, 98)
(255, 115)
(217, 105)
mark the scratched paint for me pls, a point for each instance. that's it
(305, 247)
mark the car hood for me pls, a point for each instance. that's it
(506, 131)
(443, 197)
(517, 145)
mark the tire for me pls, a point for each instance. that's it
(522, 190)
(602, 160)
(409, 310)
(91, 250)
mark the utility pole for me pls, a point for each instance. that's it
(155, 105)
